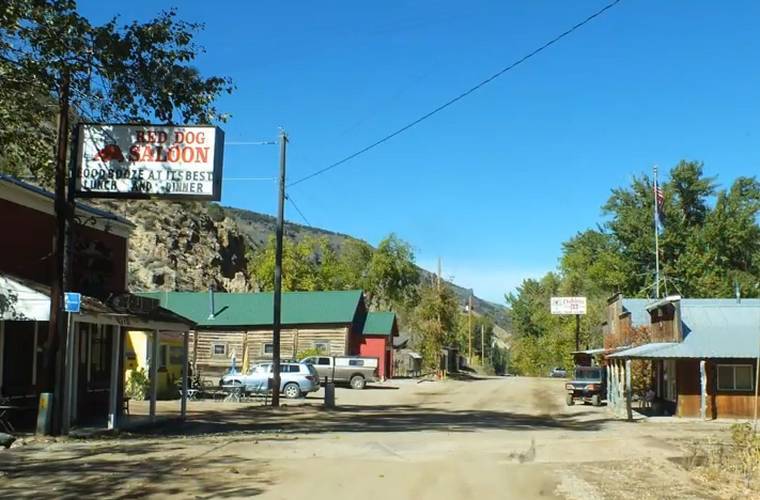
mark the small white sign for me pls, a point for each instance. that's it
(568, 305)
(141, 161)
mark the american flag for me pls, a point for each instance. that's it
(659, 197)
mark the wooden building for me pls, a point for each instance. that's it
(92, 390)
(376, 340)
(703, 354)
(237, 327)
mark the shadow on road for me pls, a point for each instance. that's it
(136, 470)
(373, 418)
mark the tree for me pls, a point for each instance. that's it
(136, 72)
(710, 245)
(435, 321)
(392, 277)
(307, 265)
(354, 262)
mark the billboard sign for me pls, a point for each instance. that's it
(149, 161)
(568, 305)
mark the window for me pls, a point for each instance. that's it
(290, 369)
(175, 355)
(322, 346)
(355, 362)
(163, 356)
(735, 378)
(323, 361)
(219, 349)
(268, 348)
(100, 354)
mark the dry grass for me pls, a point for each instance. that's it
(729, 468)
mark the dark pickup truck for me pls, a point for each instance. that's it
(589, 384)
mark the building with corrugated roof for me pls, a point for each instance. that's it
(703, 354)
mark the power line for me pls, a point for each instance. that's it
(229, 179)
(462, 95)
(292, 202)
(249, 143)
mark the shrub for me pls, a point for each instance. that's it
(137, 385)
(215, 212)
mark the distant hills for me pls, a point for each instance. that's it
(258, 227)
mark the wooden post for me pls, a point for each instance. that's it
(113, 396)
(620, 387)
(703, 392)
(628, 390)
(68, 375)
(183, 401)
(609, 383)
(2, 353)
(155, 338)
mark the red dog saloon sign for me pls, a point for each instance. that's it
(149, 161)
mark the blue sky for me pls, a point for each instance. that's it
(494, 184)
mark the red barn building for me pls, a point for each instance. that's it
(377, 340)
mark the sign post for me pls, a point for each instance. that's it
(567, 306)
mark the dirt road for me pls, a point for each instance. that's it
(492, 438)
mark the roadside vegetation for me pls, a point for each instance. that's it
(709, 244)
(728, 467)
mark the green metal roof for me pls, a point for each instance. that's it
(255, 309)
(380, 323)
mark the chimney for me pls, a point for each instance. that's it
(210, 302)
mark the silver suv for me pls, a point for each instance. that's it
(296, 379)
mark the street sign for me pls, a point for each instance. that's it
(72, 302)
(568, 305)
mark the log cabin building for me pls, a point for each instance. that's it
(703, 355)
(235, 329)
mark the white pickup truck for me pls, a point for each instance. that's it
(353, 370)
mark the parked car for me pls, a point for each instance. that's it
(296, 379)
(558, 373)
(353, 370)
(589, 384)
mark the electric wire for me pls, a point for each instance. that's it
(460, 96)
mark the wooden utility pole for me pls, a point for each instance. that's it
(469, 330)
(482, 345)
(54, 354)
(277, 306)
(577, 332)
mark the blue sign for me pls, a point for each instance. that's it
(71, 302)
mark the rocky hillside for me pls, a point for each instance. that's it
(191, 246)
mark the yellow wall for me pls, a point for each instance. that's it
(136, 345)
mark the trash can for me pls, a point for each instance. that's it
(329, 395)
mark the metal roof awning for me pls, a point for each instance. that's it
(415, 355)
(643, 351)
(19, 302)
(24, 300)
(590, 351)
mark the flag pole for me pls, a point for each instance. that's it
(656, 240)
